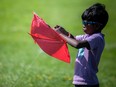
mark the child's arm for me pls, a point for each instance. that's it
(71, 40)
(75, 43)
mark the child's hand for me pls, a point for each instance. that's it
(60, 30)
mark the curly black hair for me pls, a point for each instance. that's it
(96, 13)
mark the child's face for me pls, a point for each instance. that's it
(89, 27)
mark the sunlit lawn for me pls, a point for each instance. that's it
(24, 64)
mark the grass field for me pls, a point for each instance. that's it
(24, 64)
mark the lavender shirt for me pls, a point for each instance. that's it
(86, 64)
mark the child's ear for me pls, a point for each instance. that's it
(97, 27)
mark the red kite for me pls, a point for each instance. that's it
(49, 40)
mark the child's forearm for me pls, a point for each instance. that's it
(75, 43)
(70, 40)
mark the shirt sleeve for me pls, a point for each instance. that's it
(79, 37)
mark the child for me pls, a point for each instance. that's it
(90, 45)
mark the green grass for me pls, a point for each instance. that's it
(23, 64)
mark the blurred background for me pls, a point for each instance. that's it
(24, 64)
